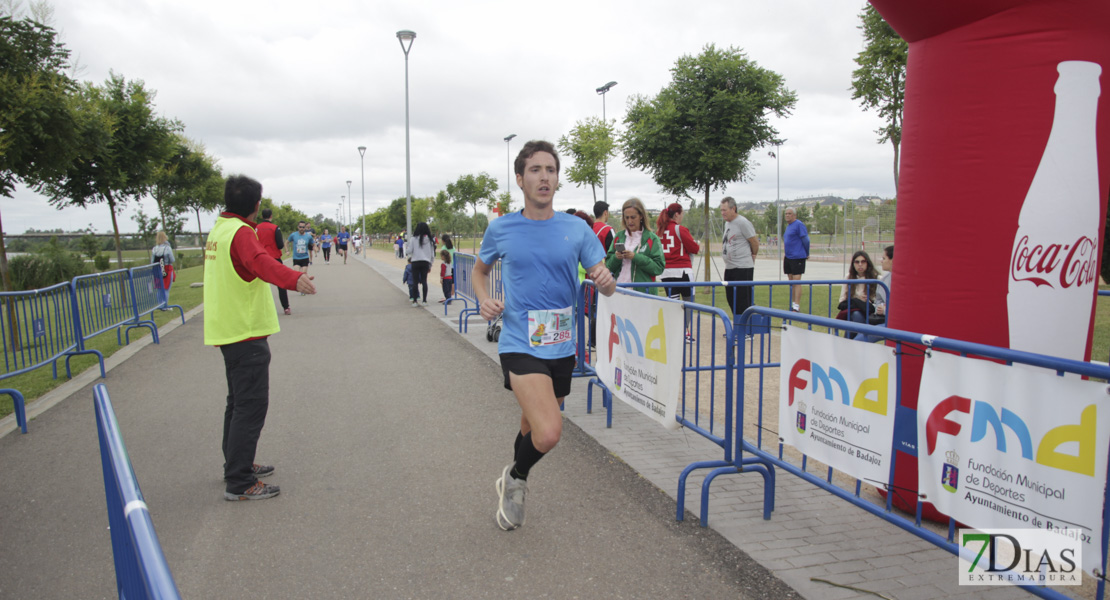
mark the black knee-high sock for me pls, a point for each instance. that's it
(516, 444)
(526, 457)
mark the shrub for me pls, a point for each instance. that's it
(50, 265)
(102, 262)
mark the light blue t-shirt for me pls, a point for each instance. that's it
(300, 243)
(539, 268)
(325, 240)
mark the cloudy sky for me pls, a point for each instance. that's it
(286, 91)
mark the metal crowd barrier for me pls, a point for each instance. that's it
(149, 294)
(463, 267)
(141, 568)
(751, 449)
(104, 302)
(39, 327)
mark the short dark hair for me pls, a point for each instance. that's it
(571, 211)
(889, 250)
(599, 208)
(531, 148)
(241, 195)
(267, 213)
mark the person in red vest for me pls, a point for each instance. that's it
(604, 235)
(601, 226)
(269, 235)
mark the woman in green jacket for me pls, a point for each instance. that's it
(642, 258)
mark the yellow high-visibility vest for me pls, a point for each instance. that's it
(234, 310)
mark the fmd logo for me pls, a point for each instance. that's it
(623, 333)
(832, 382)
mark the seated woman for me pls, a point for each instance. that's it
(860, 305)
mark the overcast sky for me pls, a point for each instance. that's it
(286, 91)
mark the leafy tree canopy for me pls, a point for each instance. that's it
(880, 81)
(590, 144)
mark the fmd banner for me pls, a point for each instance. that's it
(837, 402)
(639, 353)
(1010, 447)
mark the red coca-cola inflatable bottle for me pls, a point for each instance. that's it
(1054, 262)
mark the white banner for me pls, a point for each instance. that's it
(639, 353)
(837, 402)
(1011, 447)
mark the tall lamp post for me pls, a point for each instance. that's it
(407, 36)
(350, 199)
(605, 166)
(778, 199)
(508, 180)
(362, 168)
(342, 200)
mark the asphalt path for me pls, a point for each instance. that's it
(387, 431)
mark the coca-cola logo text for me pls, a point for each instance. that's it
(1072, 265)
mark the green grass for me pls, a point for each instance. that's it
(38, 382)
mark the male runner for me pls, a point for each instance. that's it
(540, 251)
(301, 242)
(341, 243)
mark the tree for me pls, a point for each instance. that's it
(880, 80)
(188, 180)
(472, 190)
(38, 128)
(590, 144)
(698, 133)
(503, 203)
(123, 144)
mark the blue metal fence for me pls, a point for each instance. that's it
(149, 294)
(751, 448)
(463, 267)
(104, 302)
(39, 327)
(141, 568)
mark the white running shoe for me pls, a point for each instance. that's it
(510, 500)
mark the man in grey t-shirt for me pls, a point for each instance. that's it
(741, 245)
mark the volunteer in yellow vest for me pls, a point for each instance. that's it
(238, 317)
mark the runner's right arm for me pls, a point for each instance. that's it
(488, 307)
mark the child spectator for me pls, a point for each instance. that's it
(446, 274)
(409, 279)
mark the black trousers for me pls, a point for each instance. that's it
(739, 298)
(420, 270)
(248, 398)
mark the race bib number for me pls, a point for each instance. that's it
(302, 246)
(549, 327)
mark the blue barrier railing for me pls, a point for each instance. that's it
(149, 294)
(39, 327)
(463, 267)
(141, 568)
(104, 302)
(750, 446)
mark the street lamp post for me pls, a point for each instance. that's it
(342, 200)
(508, 180)
(407, 36)
(350, 199)
(362, 168)
(605, 166)
(778, 201)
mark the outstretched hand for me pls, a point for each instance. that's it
(305, 285)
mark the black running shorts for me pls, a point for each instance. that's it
(794, 266)
(558, 369)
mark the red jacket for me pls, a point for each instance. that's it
(268, 237)
(251, 261)
(678, 245)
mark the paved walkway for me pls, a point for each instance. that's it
(388, 429)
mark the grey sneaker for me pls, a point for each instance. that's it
(258, 491)
(510, 504)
